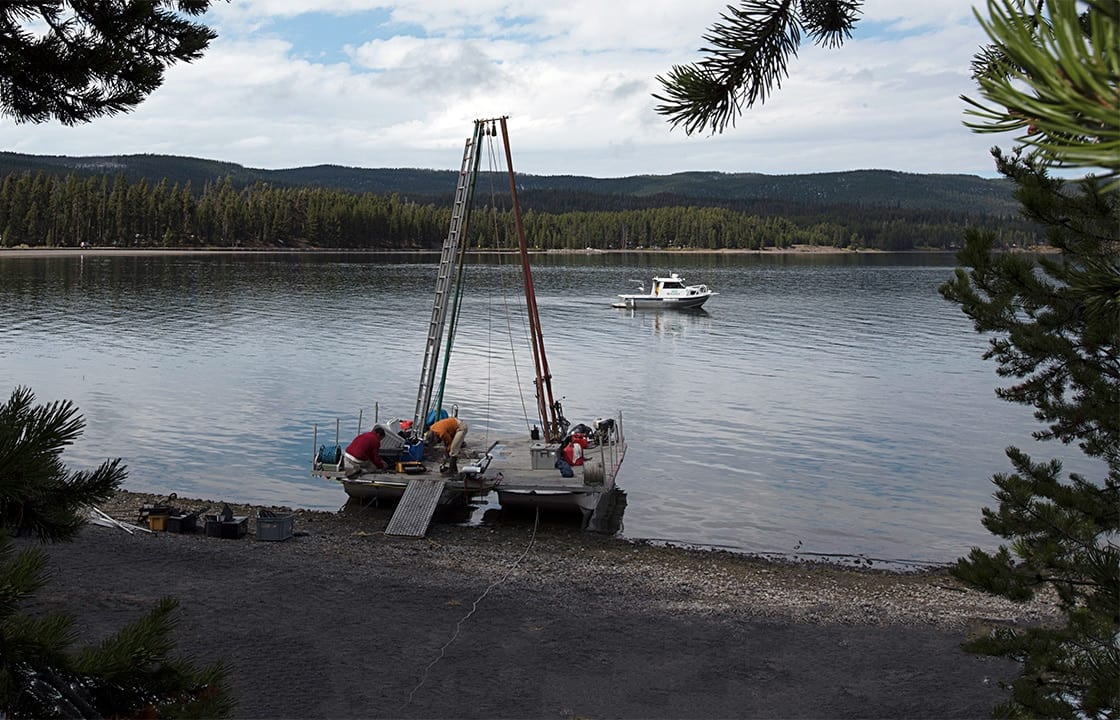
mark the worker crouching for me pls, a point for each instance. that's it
(451, 432)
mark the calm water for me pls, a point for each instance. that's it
(820, 405)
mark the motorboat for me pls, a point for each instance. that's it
(667, 292)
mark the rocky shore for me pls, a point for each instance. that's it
(679, 578)
(532, 620)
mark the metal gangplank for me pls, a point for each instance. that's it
(416, 507)
(449, 260)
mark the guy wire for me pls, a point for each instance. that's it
(474, 607)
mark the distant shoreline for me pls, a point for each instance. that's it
(106, 251)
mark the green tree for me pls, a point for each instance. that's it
(749, 56)
(1056, 326)
(1069, 60)
(127, 675)
(1053, 70)
(76, 60)
(1056, 330)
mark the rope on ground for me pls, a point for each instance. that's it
(474, 607)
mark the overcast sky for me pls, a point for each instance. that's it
(362, 83)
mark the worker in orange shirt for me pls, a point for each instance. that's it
(451, 431)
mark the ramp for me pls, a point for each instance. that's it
(416, 507)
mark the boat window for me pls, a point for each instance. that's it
(673, 284)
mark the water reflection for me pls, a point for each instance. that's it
(668, 322)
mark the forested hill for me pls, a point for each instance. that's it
(966, 194)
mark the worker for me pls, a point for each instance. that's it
(451, 431)
(364, 454)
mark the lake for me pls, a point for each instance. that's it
(821, 405)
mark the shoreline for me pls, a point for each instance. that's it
(24, 252)
(105, 251)
(527, 621)
(803, 587)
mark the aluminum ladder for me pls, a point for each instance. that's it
(449, 259)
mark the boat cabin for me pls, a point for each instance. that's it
(673, 282)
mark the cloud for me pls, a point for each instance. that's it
(372, 84)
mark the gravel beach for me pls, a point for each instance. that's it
(528, 620)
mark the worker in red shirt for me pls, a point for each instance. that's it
(364, 454)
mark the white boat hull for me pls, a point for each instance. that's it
(645, 302)
(391, 492)
(584, 500)
(390, 487)
(529, 478)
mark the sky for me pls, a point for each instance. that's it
(370, 84)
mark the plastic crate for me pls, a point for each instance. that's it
(391, 441)
(275, 528)
(181, 523)
(228, 529)
(413, 452)
(543, 457)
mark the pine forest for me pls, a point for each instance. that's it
(42, 209)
